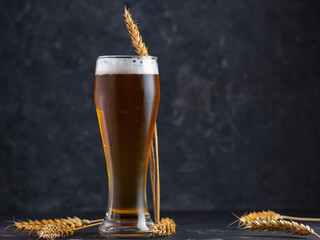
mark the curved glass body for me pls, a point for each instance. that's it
(126, 94)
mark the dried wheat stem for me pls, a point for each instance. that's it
(86, 226)
(157, 214)
(153, 178)
(96, 220)
(269, 225)
(301, 218)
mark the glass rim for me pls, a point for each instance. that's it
(127, 56)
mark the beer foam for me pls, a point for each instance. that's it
(126, 65)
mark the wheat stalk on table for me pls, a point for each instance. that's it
(265, 215)
(271, 225)
(54, 228)
(34, 226)
(272, 221)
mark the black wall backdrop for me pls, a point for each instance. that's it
(239, 114)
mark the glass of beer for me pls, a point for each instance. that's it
(127, 94)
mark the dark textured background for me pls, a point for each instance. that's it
(239, 118)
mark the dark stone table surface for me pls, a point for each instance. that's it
(191, 226)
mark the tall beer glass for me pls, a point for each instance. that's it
(126, 94)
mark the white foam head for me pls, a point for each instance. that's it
(127, 65)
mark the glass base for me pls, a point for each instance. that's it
(126, 228)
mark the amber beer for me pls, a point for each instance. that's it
(126, 93)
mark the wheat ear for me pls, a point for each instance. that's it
(134, 33)
(34, 226)
(270, 215)
(271, 225)
(263, 215)
(53, 228)
(166, 226)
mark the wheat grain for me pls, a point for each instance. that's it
(272, 225)
(165, 227)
